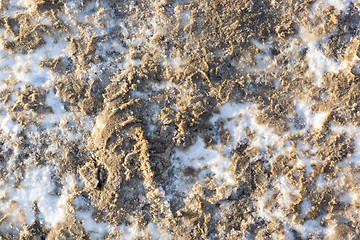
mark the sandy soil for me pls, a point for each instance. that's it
(185, 119)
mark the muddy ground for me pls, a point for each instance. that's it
(138, 84)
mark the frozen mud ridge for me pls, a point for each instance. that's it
(179, 119)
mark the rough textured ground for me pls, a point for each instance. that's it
(179, 119)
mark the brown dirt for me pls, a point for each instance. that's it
(125, 161)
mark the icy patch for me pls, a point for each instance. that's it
(86, 217)
(36, 188)
(209, 162)
(267, 208)
(305, 162)
(319, 64)
(321, 182)
(9, 126)
(16, 6)
(98, 229)
(156, 233)
(128, 63)
(57, 107)
(25, 68)
(287, 191)
(95, 228)
(348, 197)
(186, 17)
(264, 59)
(319, 119)
(241, 117)
(54, 102)
(313, 121)
(263, 212)
(165, 85)
(176, 63)
(310, 226)
(305, 206)
(353, 132)
(339, 5)
(285, 197)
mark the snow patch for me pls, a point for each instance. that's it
(319, 64)
(313, 121)
(241, 117)
(37, 188)
(208, 161)
(339, 5)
